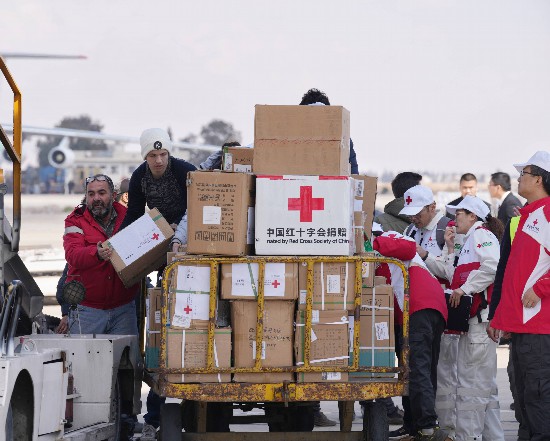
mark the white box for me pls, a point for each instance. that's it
(304, 215)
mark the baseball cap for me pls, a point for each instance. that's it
(154, 139)
(416, 198)
(473, 204)
(540, 159)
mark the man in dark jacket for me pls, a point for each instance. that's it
(391, 220)
(467, 186)
(500, 191)
(160, 181)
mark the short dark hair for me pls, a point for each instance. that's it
(231, 144)
(314, 96)
(502, 179)
(538, 171)
(468, 177)
(403, 181)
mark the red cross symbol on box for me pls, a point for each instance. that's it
(306, 203)
(275, 283)
(187, 309)
(408, 200)
(155, 236)
(535, 222)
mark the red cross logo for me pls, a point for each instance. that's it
(479, 245)
(275, 283)
(187, 309)
(408, 200)
(430, 239)
(155, 236)
(306, 203)
(535, 222)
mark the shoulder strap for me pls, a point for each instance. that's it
(440, 231)
(407, 231)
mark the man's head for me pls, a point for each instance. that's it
(100, 196)
(499, 184)
(468, 184)
(534, 179)
(313, 96)
(156, 147)
(403, 181)
(122, 192)
(419, 205)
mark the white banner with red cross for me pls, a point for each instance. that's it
(304, 215)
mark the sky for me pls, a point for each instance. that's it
(437, 85)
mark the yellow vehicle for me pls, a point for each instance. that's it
(285, 403)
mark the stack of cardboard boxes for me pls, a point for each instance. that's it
(300, 201)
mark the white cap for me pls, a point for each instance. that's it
(540, 159)
(472, 204)
(154, 139)
(416, 198)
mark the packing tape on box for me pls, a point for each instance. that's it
(323, 360)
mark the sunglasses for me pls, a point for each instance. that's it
(100, 178)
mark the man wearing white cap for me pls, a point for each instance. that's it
(523, 309)
(428, 229)
(159, 182)
(471, 270)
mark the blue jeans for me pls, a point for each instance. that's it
(117, 321)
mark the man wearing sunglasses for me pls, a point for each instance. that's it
(108, 306)
(522, 308)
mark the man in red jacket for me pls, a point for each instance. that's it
(523, 309)
(108, 306)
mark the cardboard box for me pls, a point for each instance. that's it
(333, 286)
(304, 215)
(376, 335)
(240, 281)
(277, 345)
(188, 349)
(329, 345)
(237, 159)
(359, 230)
(365, 200)
(153, 306)
(301, 140)
(220, 213)
(189, 297)
(152, 349)
(141, 247)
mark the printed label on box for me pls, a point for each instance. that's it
(211, 215)
(313, 336)
(359, 188)
(357, 205)
(315, 316)
(193, 279)
(148, 236)
(228, 161)
(244, 279)
(333, 284)
(254, 349)
(365, 266)
(303, 296)
(331, 376)
(242, 168)
(190, 306)
(250, 227)
(157, 317)
(382, 332)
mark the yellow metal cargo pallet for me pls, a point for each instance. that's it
(381, 385)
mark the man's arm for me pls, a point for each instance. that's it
(505, 246)
(488, 252)
(79, 253)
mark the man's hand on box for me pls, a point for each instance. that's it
(103, 253)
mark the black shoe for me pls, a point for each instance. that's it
(400, 433)
(396, 417)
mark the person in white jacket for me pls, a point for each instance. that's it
(471, 271)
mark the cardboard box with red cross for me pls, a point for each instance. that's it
(304, 215)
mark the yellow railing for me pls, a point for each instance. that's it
(14, 152)
(379, 386)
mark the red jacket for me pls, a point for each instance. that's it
(425, 291)
(104, 289)
(528, 266)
